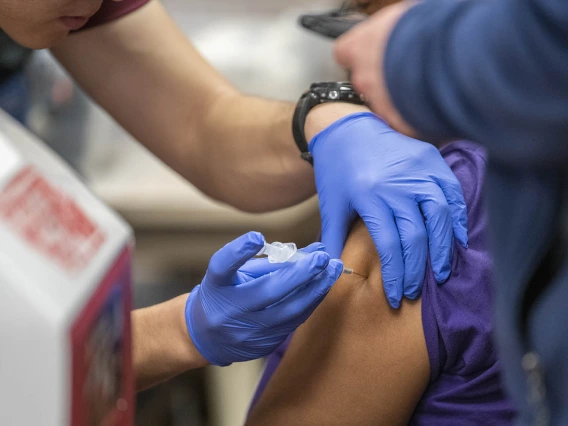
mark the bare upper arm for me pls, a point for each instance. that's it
(356, 361)
(144, 71)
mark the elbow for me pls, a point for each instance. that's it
(256, 200)
(253, 208)
(252, 193)
(244, 201)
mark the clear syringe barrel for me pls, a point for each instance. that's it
(281, 252)
(286, 252)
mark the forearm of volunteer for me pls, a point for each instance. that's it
(254, 163)
(235, 148)
(162, 347)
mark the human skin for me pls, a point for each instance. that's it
(356, 361)
(367, 74)
(235, 148)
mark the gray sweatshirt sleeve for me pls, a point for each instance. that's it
(492, 71)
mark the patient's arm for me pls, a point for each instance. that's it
(356, 361)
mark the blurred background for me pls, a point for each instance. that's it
(257, 45)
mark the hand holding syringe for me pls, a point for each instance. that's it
(286, 252)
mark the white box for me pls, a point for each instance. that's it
(65, 294)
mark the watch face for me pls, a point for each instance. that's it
(335, 92)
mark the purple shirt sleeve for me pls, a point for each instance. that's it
(111, 10)
(493, 71)
(457, 316)
(465, 378)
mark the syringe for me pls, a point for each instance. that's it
(287, 252)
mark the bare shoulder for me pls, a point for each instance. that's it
(356, 361)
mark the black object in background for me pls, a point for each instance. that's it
(13, 57)
(333, 24)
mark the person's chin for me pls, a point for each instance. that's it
(36, 40)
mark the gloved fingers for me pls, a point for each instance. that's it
(256, 268)
(299, 305)
(269, 289)
(453, 193)
(225, 263)
(381, 224)
(317, 246)
(440, 236)
(414, 241)
(303, 315)
(336, 219)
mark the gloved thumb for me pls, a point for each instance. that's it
(335, 225)
(225, 263)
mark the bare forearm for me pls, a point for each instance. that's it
(162, 347)
(148, 76)
(253, 148)
(250, 146)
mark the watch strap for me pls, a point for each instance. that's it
(317, 94)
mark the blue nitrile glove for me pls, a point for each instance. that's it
(244, 309)
(394, 183)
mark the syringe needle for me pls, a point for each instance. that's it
(350, 271)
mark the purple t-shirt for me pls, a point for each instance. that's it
(111, 10)
(465, 386)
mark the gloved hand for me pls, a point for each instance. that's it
(244, 309)
(394, 183)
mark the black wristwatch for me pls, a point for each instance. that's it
(320, 93)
